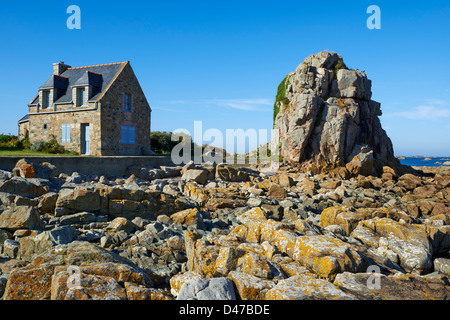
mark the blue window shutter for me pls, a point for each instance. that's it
(131, 135)
(68, 133)
(128, 135)
(124, 135)
(63, 136)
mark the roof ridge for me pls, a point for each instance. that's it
(97, 65)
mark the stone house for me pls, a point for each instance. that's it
(96, 110)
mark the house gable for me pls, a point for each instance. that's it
(116, 119)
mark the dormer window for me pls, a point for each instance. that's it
(46, 99)
(127, 102)
(81, 94)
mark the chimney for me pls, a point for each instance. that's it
(59, 68)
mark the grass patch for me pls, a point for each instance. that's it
(281, 97)
(11, 146)
(338, 66)
(17, 152)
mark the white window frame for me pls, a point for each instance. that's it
(46, 99)
(128, 135)
(77, 100)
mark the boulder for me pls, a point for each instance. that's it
(409, 242)
(285, 180)
(276, 192)
(121, 224)
(47, 203)
(327, 256)
(207, 289)
(250, 287)
(4, 235)
(78, 270)
(22, 217)
(11, 248)
(306, 287)
(188, 217)
(37, 244)
(326, 119)
(89, 286)
(29, 188)
(348, 217)
(442, 265)
(177, 281)
(409, 181)
(5, 175)
(28, 169)
(139, 292)
(78, 218)
(197, 175)
(363, 163)
(228, 173)
(75, 178)
(376, 286)
(196, 194)
(78, 200)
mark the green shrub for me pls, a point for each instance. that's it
(52, 146)
(26, 144)
(5, 138)
(338, 66)
(161, 142)
(38, 146)
(13, 144)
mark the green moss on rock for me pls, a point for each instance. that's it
(281, 97)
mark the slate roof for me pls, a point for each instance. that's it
(90, 79)
(99, 76)
(24, 119)
(55, 82)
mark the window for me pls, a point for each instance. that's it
(46, 99)
(81, 92)
(65, 136)
(127, 102)
(128, 135)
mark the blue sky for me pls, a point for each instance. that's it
(221, 61)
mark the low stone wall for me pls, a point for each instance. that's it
(111, 166)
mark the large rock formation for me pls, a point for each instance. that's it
(326, 119)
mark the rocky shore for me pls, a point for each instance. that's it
(222, 232)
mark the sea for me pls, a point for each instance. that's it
(425, 161)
